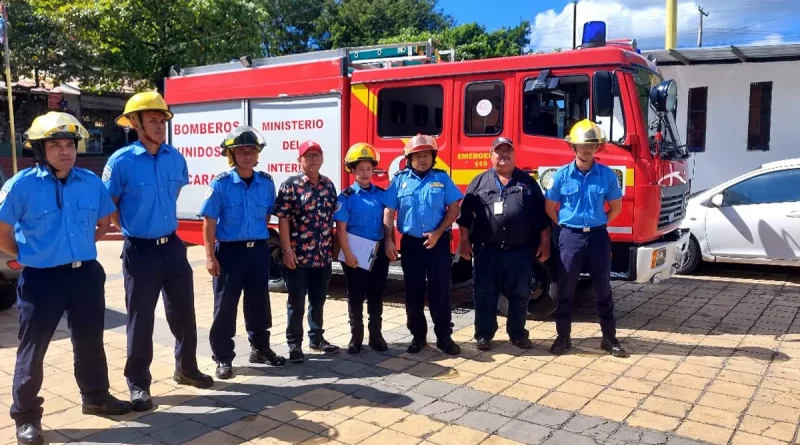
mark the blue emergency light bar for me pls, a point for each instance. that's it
(594, 34)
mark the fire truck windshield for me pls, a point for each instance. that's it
(672, 148)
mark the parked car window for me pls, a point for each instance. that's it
(773, 187)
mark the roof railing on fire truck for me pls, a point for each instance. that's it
(363, 57)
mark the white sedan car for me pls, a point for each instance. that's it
(751, 219)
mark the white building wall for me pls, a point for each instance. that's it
(726, 154)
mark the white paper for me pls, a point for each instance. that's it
(365, 250)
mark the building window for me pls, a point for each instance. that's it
(696, 119)
(760, 116)
(408, 111)
(483, 108)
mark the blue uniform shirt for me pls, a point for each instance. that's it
(583, 196)
(241, 211)
(421, 202)
(362, 210)
(147, 187)
(46, 235)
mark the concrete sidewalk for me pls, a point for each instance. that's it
(714, 359)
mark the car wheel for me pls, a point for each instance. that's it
(692, 258)
(8, 295)
(277, 281)
(544, 293)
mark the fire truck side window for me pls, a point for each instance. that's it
(483, 108)
(408, 111)
(552, 113)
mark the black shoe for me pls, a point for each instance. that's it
(377, 343)
(522, 343)
(416, 346)
(484, 344)
(296, 355)
(141, 400)
(195, 378)
(613, 347)
(449, 347)
(224, 370)
(561, 345)
(354, 347)
(111, 406)
(29, 434)
(266, 355)
(324, 346)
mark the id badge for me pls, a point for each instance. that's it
(498, 208)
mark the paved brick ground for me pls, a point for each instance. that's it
(713, 361)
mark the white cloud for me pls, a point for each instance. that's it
(643, 20)
(772, 39)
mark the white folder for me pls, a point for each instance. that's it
(365, 250)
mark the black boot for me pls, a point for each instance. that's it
(356, 339)
(266, 355)
(141, 400)
(561, 345)
(448, 346)
(224, 370)
(612, 346)
(416, 345)
(109, 406)
(30, 434)
(194, 378)
(377, 343)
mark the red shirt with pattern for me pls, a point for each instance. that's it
(309, 208)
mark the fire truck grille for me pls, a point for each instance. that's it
(673, 209)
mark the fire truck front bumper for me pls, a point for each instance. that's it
(661, 260)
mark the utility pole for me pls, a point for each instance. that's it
(4, 36)
(574, 24)
(671, 40)
(700, 30)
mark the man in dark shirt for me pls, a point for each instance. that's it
(502, 225)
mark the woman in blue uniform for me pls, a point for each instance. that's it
(359, 212)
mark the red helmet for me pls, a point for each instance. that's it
(420, 142)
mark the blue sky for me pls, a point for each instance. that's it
(730, 22)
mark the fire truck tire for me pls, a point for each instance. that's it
(8, 295)
(276, 280)
(544, 292)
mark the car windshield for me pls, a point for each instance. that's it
(645, 81)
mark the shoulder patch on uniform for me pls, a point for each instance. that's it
(265, 174)
(209, 192)
(106, 173)
(339, 205)
(548, 178)
(348, 192)
(3, 194)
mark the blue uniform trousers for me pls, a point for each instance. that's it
(151, 268)
(242, 268)
(427, 270)
(575, 247)
(43, 295)
(493, 267)
(299, 282)
(366, 285)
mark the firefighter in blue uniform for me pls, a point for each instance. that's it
(236, 211)
(145, 179)
(427, 202)
(359, 211)
(582, 188)
(51, 215)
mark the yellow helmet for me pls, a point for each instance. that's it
(147, 101)
(55, 125)
(586, 132)
(361, 152)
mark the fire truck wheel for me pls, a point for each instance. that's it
(276, 281)
(544, 292)
(8, 295)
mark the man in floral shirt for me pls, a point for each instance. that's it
(305, 205)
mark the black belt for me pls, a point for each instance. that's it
(73, 265)
(245, 244)
(153, 241)
(584, 229)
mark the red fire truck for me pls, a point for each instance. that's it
(384, 95)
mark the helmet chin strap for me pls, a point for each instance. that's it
(137, 118)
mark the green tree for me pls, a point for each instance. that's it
(471, 40)
(142, 39)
